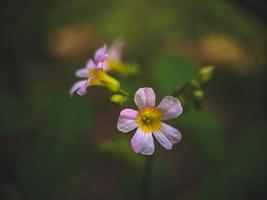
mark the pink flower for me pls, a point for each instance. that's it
(81, 86)
(148, 121)
(100, 56)
(114, 55)
(94, 75)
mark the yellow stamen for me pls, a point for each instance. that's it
(149, 120)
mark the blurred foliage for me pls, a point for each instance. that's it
(15, 116)
(241, 175)
(54, 154)
(68, 117)
(171, 72)
(52, 144)
(48, 162)
(208, 133)
(121, 150)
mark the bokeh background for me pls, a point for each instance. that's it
(56, 147)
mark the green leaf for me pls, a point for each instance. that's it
(120, 149)
(170, 72)
(208, 133)
(15, 116)
(243, 171)
(46, 164)
(53, 155)
(68, 117)
(249, 154)
(222, 184)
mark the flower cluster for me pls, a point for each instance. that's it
(149, 119)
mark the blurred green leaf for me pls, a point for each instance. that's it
(249, 154)
(48, 162)
(15, 116)
(208, 133)
(120, 149)
(68, 117)
(220, 185)
(54, 154)
(170, 72)
(242, 175)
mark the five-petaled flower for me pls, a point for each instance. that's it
(148, 121)
(95, 75)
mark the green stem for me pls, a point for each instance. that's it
(146, 181)
(123, 92)
(182, 89)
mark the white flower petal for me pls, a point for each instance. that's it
(171, 133)
(101, 54)
(80, 87)
(90, 65)
(145, 97)
(171, 107)
(114, 52)
(127, 120)
(163, 140)
(82, 73)
(143, 143)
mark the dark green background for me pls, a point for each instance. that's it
(56, 147)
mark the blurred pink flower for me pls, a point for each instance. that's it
(114, 55)
(100, 56)
(148, 121)
(94, 75)
(81, 86)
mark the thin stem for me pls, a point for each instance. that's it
(182, 89)
(123, 92)
(146, 182)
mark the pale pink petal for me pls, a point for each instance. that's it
(100, 65)
(101, 54)
(114, 52)
(145, 97)
(163, 140)
(82, 73)
(90, 65)
(80, 87)
(143, 143)
(171, 107)
(105, 66)
(127, 120)
(173, 135)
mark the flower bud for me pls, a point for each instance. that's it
(118, 99)
(206, 73)
(198, 94)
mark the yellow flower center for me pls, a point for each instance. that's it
(149, 120)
